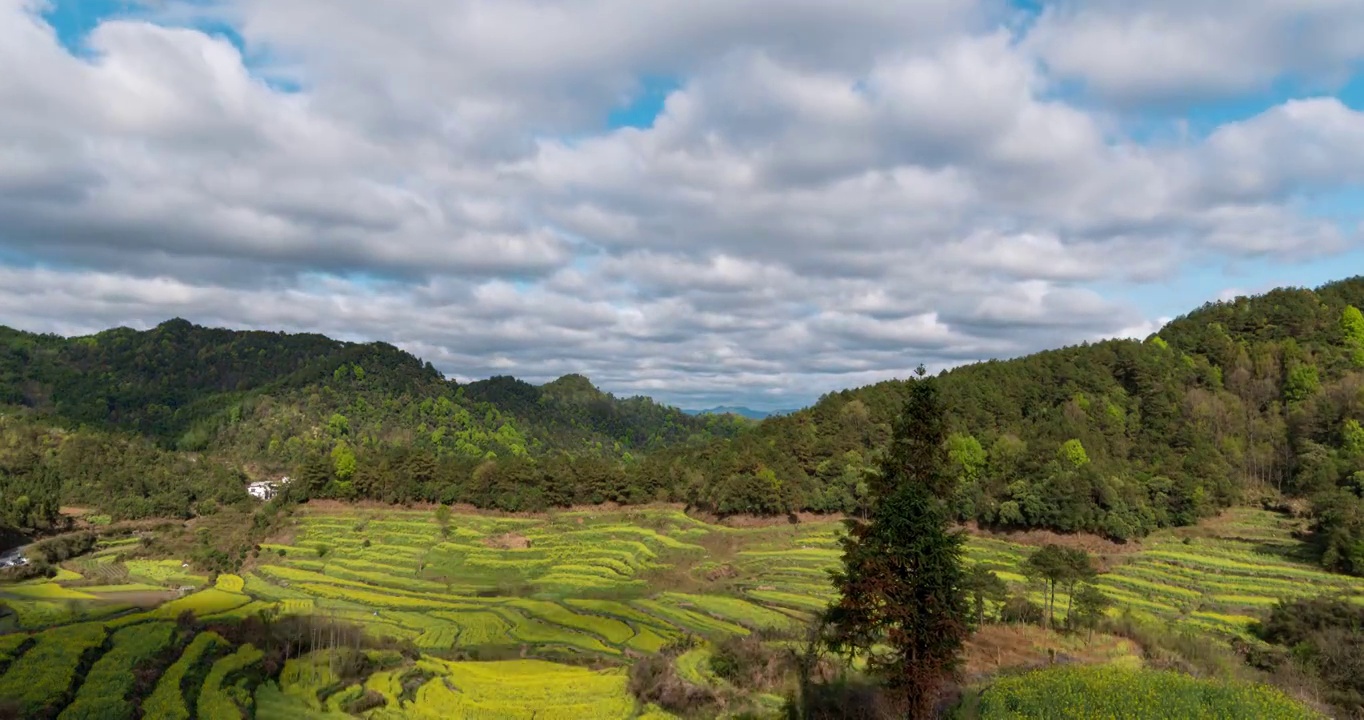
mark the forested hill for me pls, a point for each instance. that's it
(1230, 403)
(114, 417)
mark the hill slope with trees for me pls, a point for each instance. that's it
(144, 408)
(1234, 402)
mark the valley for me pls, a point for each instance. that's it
(1173, 518)
(489, 614)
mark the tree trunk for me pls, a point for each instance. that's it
(1070, 605)
(1051, 604)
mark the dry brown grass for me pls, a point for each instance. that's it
(1001, 647)
(1093, 544)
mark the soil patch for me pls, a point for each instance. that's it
(761, 521)
(737, 521)
(1093, 544)
(140, 598)
(508, 541)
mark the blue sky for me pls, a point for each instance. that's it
(433, 182)
(645, 105)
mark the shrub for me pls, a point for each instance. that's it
(1019, 609)
(655, 679)
(64, 547)
(1182, 649)
(748, 663)
(843, 698)
(1324, 636)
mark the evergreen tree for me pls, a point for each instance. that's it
(1058, 567)
(1090, 604)
(901, 603)
(982, 585)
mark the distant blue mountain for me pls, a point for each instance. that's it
(738, 410)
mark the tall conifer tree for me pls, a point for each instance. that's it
(902, 603)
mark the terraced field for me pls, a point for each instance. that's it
(1109, 692)
(579, 583)
(1223, 576)
(583, 586)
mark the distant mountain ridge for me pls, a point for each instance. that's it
(739, 410)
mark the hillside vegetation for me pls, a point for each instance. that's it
(121, 420)
(505, 616)
(1236, 402)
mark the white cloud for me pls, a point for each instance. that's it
(1189, 51)
(832, 194)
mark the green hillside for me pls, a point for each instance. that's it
(121, 419)
(1235, 402)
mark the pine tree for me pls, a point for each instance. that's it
(901, 601)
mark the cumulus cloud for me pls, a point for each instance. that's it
(1181, 52)
(830, 194)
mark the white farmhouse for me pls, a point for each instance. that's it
(266, 489)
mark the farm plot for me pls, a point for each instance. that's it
(495, 581)
(103, 692)
(583, 581)
(604, 585)
(168, 699)
(1112, 692)
(520, 689)
(11, 645)
(219, 698)
(45, 674)
(163, 572)
(38, 604)
(1220, 577)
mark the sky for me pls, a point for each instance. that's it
(745, 202)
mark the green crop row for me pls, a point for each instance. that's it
(690, 621)
(221, 702)
(798, 601)
(612, 630)
(167, 701)
(438, 638)
(479, 627)
(204, 602)
(615, 609)
(43, 675)
(382, 579)
(523, 688)
(538, 632)
(10, 644)
(1149, 588)
(102, 696)
(1112, 692)
(163, 572)
(732, 609)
